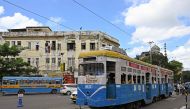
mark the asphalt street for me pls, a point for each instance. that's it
(50, 101)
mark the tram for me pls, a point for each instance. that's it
(108, 78)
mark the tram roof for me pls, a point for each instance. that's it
(112, 54)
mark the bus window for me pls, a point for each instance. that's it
(12, 82)
(21, 81)
(142, 79)
(123, 78)
(53, 81)
(129, 79)
(5, 82)
(17, 81)
(138, 79)
(57, 81)
(30, 81)
(134, 79)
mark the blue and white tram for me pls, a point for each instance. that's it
(108, 78)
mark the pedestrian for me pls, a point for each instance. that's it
(178, 88)
(20, 99)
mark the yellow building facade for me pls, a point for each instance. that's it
(53, 51)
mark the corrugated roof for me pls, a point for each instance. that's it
(113, 55)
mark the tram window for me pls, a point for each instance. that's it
(134, 79)
(147, 77)
(138, 79)
(163, 81)
(134, 70)
(138, 71)
(91, 69)
(123, 78)
(129, 69)
(152, 80)
(129, 79)
(123, 69)
(142, 79)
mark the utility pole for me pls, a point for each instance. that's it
(150, 43)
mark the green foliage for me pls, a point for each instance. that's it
(176, 67)
(186, 76)
(13, 66)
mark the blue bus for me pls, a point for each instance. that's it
(14, 85)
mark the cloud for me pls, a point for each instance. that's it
(53, 25)
(137, 51)
(136, 2)
(1, 10)
(17, 21)
(181, 54)
(158, 20)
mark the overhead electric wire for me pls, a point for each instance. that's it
(38, 15)
(104, 19)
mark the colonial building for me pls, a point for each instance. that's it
(51, 50)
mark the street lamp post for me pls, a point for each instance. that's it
(150, 43)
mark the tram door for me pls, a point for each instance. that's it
(110, 85)
(166, 83)
(148, 86)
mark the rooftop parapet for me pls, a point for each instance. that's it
(58, 33)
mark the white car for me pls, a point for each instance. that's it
(68, 89)
(73, 96)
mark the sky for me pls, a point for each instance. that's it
(160, 21)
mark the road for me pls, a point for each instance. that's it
(49, 101)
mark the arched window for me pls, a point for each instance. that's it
(134, 79)
(129, 79)
(123, 78)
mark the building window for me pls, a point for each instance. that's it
(47, 47)
(83, 46)
(37, 47)
(53, 46)
(29, 45)
(29, 61)
(37, 62)
(59, 46)
(70, 46)
(47, 60)
(19, 43)
(59, 62)
(103, 45)
(53, 60)
(71, 64)
(92, 46)
(13, 43)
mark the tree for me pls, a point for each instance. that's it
(176, 67)
(13, 66)
(157, 59)
(185, 76)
